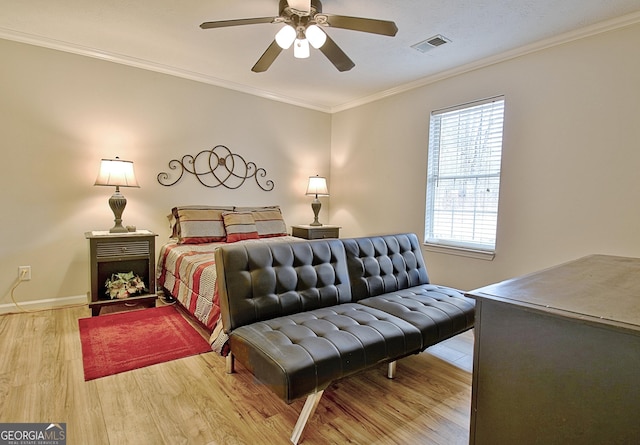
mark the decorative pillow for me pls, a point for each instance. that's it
(269, 223)
(239, 226)
(200, 225)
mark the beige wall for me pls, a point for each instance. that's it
(570, 185)
(62, 113)
(570, 182)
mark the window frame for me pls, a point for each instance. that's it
(466, 247)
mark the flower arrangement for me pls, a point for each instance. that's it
(124, 285)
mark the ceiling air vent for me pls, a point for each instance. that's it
(430, 43)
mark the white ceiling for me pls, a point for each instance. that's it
(164, 35)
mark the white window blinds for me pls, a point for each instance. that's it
(463, 175)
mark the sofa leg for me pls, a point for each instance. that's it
(230, 368)
(307, 411)
(391, 369)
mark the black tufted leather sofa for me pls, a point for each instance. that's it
(300, 315)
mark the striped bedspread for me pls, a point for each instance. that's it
(188, 272)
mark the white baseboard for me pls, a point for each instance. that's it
(49, 303)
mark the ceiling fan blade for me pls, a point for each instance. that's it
(333, 52)
(373, 26)
(267, 58)
(226, 23)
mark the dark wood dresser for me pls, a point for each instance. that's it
(557, 356)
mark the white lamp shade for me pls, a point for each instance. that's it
(316, 36)
(317, 186)
(286, 36)
(116, 172)
(301, 49)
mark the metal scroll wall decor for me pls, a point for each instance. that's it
(217, 167)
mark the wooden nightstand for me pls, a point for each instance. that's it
(111, 253)
(315, 232)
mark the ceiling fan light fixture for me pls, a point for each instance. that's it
(286, 36)
(316, 36)
(302, 24)
(301, 49)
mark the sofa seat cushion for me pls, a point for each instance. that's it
(439, 312)
(299, 354)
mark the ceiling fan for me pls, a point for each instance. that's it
(303, 22)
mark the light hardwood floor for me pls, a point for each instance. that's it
(193, 401)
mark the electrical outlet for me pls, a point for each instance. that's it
(24, 273)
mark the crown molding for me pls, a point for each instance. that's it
(59, 45)
(598, 28)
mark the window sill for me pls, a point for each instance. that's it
(461, 251)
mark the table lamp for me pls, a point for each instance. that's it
(119, 173)
(317, 187)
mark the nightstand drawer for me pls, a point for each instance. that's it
(324, 233)
(121, 249)
(315, 232)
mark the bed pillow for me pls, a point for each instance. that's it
(174, 217)
(200, 225)
(239, 226)
(173, 225)
(269, 223)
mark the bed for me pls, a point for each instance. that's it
(186, 267)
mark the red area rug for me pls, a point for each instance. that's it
(120, 342)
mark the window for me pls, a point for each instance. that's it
(463, 176)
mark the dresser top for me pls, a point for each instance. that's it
(600, 288)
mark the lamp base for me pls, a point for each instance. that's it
(118, 228)
(117, 202)
(315, 206)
